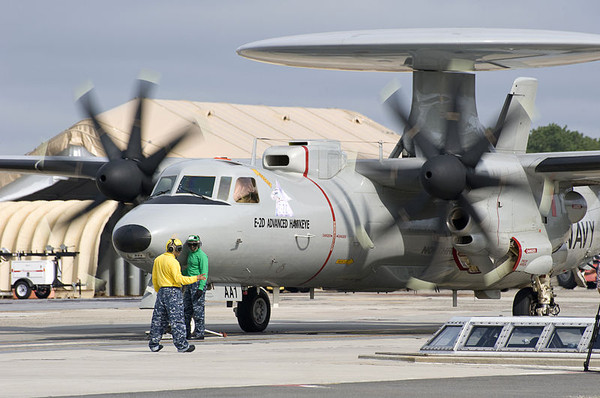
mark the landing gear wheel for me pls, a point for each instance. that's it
(566, 280)
(43, 292)
(22, 290)
(525, 302)
(254, 311)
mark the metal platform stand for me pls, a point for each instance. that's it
(511, 335)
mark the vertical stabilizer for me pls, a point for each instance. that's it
(515, 132)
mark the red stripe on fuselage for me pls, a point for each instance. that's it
(305, 162)
(332, 217)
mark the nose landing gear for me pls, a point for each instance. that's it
(254, 311)
(536, 300)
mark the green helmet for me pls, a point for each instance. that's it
(194, 239)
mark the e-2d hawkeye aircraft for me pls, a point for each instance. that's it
(456, 206)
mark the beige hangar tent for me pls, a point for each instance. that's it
(30, 224)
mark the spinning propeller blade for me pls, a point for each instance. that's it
(89, 107)
(134, 146)
(127, 177)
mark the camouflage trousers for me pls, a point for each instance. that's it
(168, 309)
(193, 307)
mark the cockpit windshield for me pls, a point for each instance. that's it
(197, 185)
(164, 185)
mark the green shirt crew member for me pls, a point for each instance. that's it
(194, 296)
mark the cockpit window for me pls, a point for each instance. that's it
(224, 187)
(164, 185)
(197, 185)
(245, 190)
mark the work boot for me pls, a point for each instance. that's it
(190, 348)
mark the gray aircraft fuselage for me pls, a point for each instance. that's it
(313, 221)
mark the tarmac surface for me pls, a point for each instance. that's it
(312, 348)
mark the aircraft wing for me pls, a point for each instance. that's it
(67, 166)
(581, 168)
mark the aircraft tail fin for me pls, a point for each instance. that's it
(515, 132)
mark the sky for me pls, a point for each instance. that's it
(49, 48)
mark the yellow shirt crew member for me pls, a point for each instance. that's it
(167, 273)
(168, 306)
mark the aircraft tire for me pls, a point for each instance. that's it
(254, 311)
(42, 292)
(524, 302)
(566, 280)
(22, 290)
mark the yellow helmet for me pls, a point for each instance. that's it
(174, 245)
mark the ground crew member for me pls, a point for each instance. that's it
(193, 297)
(168, 308)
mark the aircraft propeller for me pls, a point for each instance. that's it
(447, 174)
(127, 177)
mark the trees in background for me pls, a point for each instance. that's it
(553, 138)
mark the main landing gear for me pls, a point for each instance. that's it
(536, 300)
(254, 311)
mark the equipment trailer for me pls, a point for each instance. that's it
(39, 276)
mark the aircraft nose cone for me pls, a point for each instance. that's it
(131, 238)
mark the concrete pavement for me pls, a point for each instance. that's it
(79, 347)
